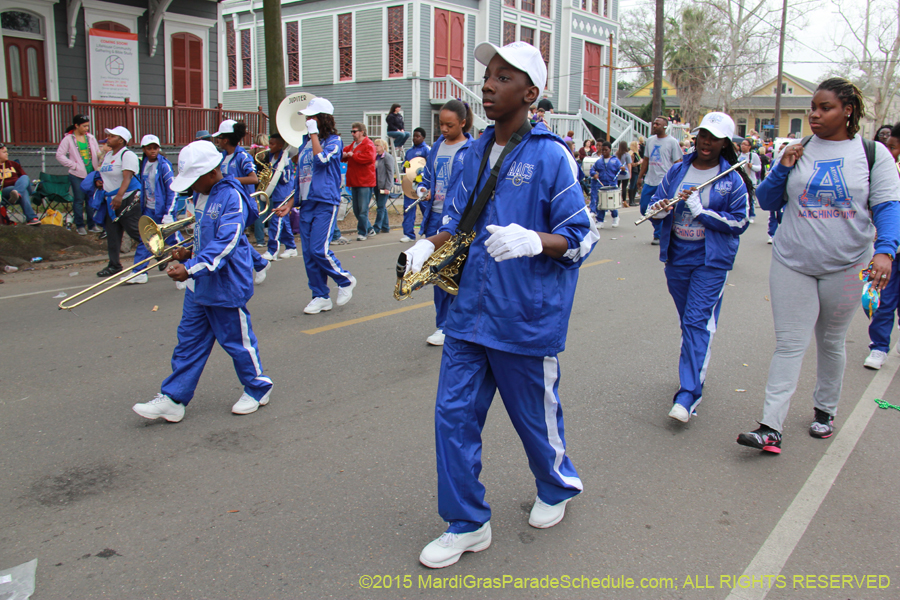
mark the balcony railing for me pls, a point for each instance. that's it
(41, 122)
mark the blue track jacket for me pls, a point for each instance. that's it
(608, 173)
(221, 265)
(286, 181)
(165, 200)
(421, 150)
(428, 179)
(325, 185)
(241, 165)
(724, 219)
(521, 305)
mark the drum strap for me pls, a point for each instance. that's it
(473, 210)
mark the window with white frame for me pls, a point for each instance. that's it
(375, 128)
(345, 46)
(395, 41)
(292, 45)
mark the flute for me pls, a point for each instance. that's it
(672, 202)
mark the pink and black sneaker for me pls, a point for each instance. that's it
(823, 425)
(764, 438)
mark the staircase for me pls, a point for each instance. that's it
(444, 89)
(623, 125)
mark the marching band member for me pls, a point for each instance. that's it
(419, 149)
(698, 243)
(122, 196)
(280, 227)
(220, 284)
(237, 163)
(604, 173)
(318, 189)
(159, 199)
(443, 167)
(509, 321)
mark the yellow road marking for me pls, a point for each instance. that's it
(369, 318)
(397, 311)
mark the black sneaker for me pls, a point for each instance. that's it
(823, 425)
(763, 438)
(108, 271)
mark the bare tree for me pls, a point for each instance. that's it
(637, 28)
(872, 48)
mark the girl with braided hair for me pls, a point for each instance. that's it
(828, 184)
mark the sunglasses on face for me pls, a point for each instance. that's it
(354, 131)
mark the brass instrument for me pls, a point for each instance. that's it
(154, 236)
(264, 173)
(442, 268)
(164, 257)
(710, 181)
(272, 214)
(262, 205)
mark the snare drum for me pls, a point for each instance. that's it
(608, 198)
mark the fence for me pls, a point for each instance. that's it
(39, 122)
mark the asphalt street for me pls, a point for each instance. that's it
(330, 490)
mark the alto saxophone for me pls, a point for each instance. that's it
(442, 268)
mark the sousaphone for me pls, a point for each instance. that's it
(288, 120)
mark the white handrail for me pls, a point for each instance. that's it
(448, 88)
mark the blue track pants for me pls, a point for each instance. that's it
(202, 326)
(529, 385)
(775, 220)
(316, 220)
(442, 299)
(883, 320)
(646, 200)
(280, 233)
(409, 218)
(697, 292)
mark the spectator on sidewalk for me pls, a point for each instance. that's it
(80, 154)
(419, 150)
(360, 159)
(384, 181)
(396, 126)
(545, 104)
(16, 186)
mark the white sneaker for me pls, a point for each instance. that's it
(544, 515)
(161, 407)
(260, 276)
(447, 549)
(317, 305)
(680, 413)
(142, 278)
(752, 221)
(615, 222)
(770, 240)
(875, 359)
(600, 225)
(360, 238)
(345, 293)
(405, 239)
(436, 338)
(246, 404)
(81, 231)
(289, 253)
(267, 256)
(180, 285)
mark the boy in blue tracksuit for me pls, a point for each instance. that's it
(443, 169)
(604, 173)
(419, 150)
(509, 320)
(699, 240)
(317, 188)
(280, 227)
(220, 283)
(159, 200)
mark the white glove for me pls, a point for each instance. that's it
(421, 191)
(166, 220)
(694, 204)
(312, 126)
(655, 207)
(512, 241)
(417, 255)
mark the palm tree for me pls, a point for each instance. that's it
(690, 55)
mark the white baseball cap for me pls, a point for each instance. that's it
(226, 126)
(317, 106)
(520, 55)
(195, 160)
(121, 132)
(717, 123)
(149, 139)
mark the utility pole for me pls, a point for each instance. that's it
(658, 61)
(609, 95)
(780, 70)
(274, 57)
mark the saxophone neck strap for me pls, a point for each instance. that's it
(473, 209)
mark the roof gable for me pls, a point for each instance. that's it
(646, 90)
(801, 87)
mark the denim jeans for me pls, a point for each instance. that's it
(259, 230)
(360, 197)
(399, 137)
(22, 185)
(79, 206)
(381, 224)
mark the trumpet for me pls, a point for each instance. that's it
(673, 201)
(164, 257)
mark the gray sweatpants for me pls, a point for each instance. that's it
(802, 304)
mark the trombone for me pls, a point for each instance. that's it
(154, 237)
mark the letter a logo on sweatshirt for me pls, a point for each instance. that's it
(826, 186)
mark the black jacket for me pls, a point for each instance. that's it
(395, 122)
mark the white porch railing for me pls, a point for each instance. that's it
(678, 131)
(447, 88)
(561, 124)
(621, 122)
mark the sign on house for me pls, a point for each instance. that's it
(114, 66)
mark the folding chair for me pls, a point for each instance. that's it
(52, 191)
